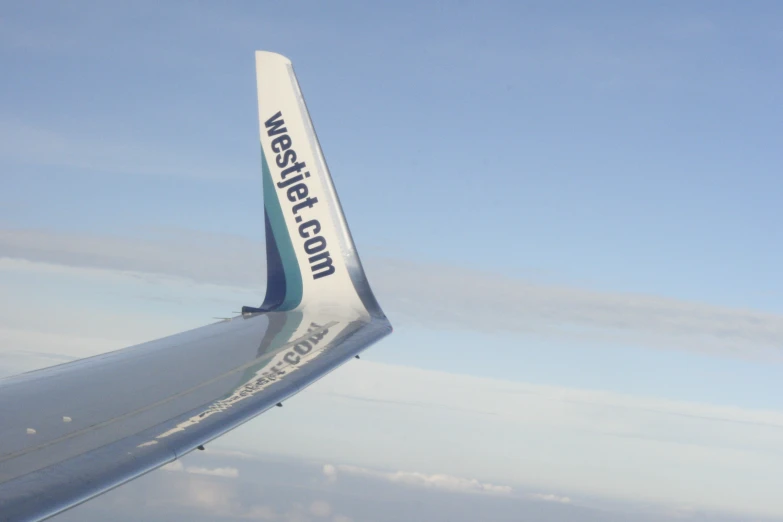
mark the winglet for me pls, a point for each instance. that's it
(311, 257)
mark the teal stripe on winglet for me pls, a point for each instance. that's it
(293, 277)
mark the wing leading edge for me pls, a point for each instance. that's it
(73, 431)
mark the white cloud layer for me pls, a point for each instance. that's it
(414, 478)
(552, 441)
(427, 293)
(319, 508)
(24, 143)
(224, 472)
(550, 497)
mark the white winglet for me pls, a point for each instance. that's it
(311, 258)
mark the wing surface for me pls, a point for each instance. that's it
(74, 431)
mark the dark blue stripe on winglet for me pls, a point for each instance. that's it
(275, 272)
(284, 280)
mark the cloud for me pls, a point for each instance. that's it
(174, 466)
(426, 293)
(197, 490)
(260, 513)
(168, 252)
(607, 412)
(221, 452)
(288, 491)
(98, 310)
(550, 497)
(330, 472)
(201, 494)
(319, 508)
(24, 143)
(24, 350)
(215, 472)
(297, 513)
(413, 478)
(223, 472)
(535, 438)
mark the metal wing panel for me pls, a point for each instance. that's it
(73, 431)
(88, 426)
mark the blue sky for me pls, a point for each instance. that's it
(582, 197)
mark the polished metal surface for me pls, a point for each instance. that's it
(70, 432)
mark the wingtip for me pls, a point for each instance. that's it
(271, 57)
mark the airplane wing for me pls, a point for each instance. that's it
(74, 431)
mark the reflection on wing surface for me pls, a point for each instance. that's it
(235, 371)
(73, 431)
